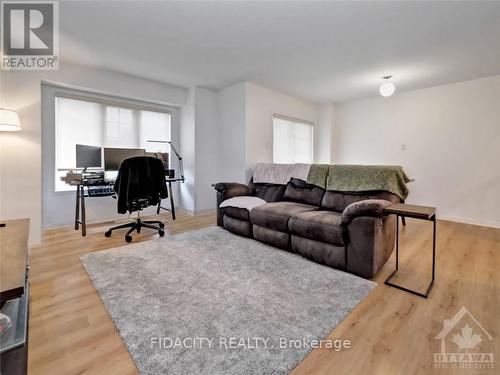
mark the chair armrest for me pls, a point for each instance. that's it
(233, 189)
(366, 207)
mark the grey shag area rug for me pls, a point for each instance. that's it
(205, 302)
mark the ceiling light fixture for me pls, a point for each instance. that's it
(387, 88)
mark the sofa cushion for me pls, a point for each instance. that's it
(337, 200)
(247, 202)
(276, 215)
(271, 237)
(323, 226)
(240, 207)
(320, 252)
(268, 192)
(237, 213)
(300, 191)
(237, 226)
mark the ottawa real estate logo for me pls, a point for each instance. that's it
(30, 35)
(464, 344)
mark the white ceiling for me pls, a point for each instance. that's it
(320, 51)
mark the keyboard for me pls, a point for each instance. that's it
(100, 190)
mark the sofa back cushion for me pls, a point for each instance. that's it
(300, 191)
(337, 200)
(269, 192)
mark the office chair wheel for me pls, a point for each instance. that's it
(162, 225)
(128, 238)
(107, 233)
(161, 233)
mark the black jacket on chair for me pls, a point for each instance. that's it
(141, 177)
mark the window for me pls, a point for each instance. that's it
(99, 124)
(292, 140)
(120, 129)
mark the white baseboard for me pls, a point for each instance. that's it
(466, 220)
(200, 212)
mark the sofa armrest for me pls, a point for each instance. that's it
(370, 244)
(232, 189)
(366, 207)
(226, 190)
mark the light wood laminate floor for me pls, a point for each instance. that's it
(391, 332)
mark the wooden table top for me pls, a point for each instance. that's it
(411, 210)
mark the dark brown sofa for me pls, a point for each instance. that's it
(340, 229)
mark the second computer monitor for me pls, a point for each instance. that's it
(113, 157)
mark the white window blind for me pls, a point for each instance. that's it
(292, 140)
(99, 124)
(120, 128)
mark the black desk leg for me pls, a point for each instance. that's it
(403, 219)
(77, 208)
(397, 242)
(433, 252)
(172, 206)
(84, 223)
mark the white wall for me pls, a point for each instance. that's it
(20, 153)
(206, 143)
(245, 130)
(261, 104)
(225, 133)
(231, 134)
(198, 148)
(187, 151)
(446, 137)
(323, 141)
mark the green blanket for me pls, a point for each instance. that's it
(318, 173)
(357, 178)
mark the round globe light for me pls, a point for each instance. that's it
(387, 89)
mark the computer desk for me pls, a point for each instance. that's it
(80, 215)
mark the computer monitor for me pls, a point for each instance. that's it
(113, 157)
(88, 156)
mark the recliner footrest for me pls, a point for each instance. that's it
(272, 237)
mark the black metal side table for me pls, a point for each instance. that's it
(416, 212)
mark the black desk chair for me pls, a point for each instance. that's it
(140, 184)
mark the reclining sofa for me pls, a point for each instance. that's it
(341, 229)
